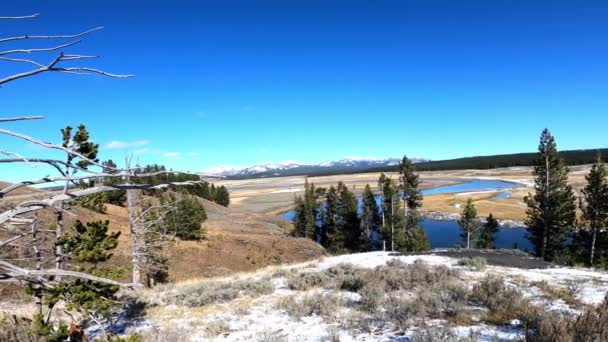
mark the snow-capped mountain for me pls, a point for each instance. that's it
(294, 168)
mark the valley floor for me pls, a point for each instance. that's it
(275, 195)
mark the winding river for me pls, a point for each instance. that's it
(446, 233)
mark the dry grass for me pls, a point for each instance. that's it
(475, 264)
(551, 292)
(325, 305)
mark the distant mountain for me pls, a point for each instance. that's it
(293, 168)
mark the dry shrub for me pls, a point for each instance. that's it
(591, 325)
(215, 328)
(317, 304)
(303, 281)
(15, 329)
(212, 292)
(271, 337)
(567, 294)
(475, 264)
(442, 334)
(505, 303)
(372, 297)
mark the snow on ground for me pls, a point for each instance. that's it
(263, 321)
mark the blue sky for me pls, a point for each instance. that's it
(245, 82)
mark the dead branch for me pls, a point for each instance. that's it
(21, 118)
(31, 206)
(68, 36)
(15, 272)
(32, 16)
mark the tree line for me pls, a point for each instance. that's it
(334, 218)
(562, 226)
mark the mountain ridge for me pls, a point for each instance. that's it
(291, 167)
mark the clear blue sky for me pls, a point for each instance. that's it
(244, 82)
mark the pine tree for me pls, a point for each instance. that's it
(370, 217)
(86, 245)
(186, 219)
(552, 209)
(391, 211)
(307, 209)
(487, 234)
(468, 222)
(332, 239)
(222, 197)
(594, 206)
(413, 236)
(349, 224)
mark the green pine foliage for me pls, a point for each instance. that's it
(392, 212)
(80, 143)
(412, 237)
(331, 237)
(86, 245)
(551, 212)
(348, 222)
(591, 241)
(221, 196)
(370, 217)
(185, 221)
(487, 234)
(468, 223)
(307, 211)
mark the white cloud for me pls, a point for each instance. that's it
(172, 154)
(117, 144)
(193, 154)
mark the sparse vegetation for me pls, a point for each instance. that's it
(211, 292)
(475, 264)
(325, 304)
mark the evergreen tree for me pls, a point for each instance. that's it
(349, 224)
(205, 191)
(116, 197)
(186, 219)
(594, 206)
(413, 237)
(307, 209)
(222, 197)
(391, 211)
(552, 209)
(468, 223)
(85, 246)
(332, 239)
(370, 217)
(487, 234)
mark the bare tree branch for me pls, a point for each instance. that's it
(49, 49)
(21, 118)
(31, 206)
(32, 16)
(12, 271)
(68, 36)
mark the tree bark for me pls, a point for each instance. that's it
(135, 236)
(593, 247)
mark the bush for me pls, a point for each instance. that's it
(306, 280)
(186, 219)
(476, 263)
(591, 325)
(442, 334)
(209, 292)
(505, 303)
(319, 304)
(372, 297)
(214, 328)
